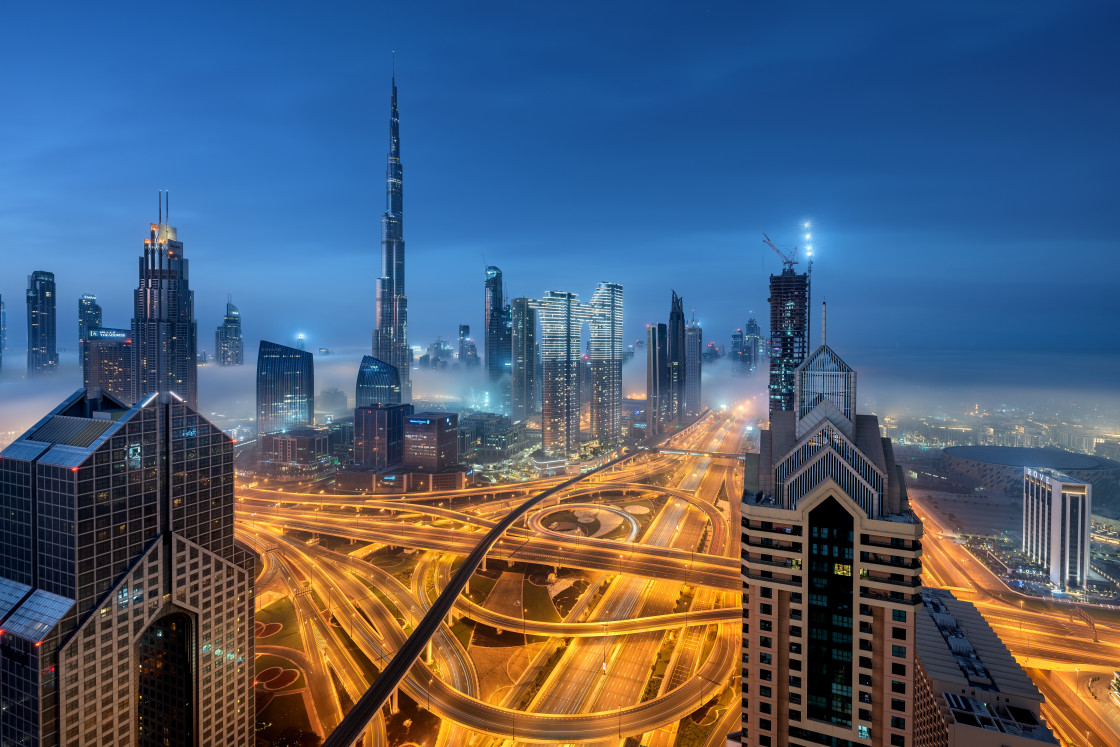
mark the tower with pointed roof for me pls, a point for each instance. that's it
(390, 338)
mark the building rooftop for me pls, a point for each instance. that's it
(972, 673)
(1019, 456)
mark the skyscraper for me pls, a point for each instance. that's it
(468, 352)
(42, 322)
(496, 318)
(285, 388)
(89, 316)
(693, 349)
(605, 321)
(1057, 513)
(525, 378)
(831, 568)
(229, 349)
(378, 384)
(390, 339)
(431, 440)
(379, 435)
(738, 354)
(789, 334)
(753, 345)
(3, 331)
(561, 317)
(164, 332)
(658, 398)
(126, 608)
(107, 362)
(676, 357)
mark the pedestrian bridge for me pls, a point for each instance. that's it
(712, 454)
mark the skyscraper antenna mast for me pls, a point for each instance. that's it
(160, 193)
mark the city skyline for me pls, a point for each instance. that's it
(949, 249)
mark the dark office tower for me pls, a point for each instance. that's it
(496, 317)
(378, 384)
(789, 334)
(753, 344)
(164, 332)
(285, 388)
(658, 398)
(107, 362)
(431, 440)
(693, 349)
(3, 331)
(738, 354)
(525, 380)
(605, 358)
(42, 350)
(677, 362)
(561, 318)
(89, 316)
(229, 349)
(464, 338)
(379, 435)
(831, 566)
(126, 605)
(390, 339)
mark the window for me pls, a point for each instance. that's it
(898, 651)
(764, 708)
(766, 609)
(766, 592)
(864, 714)
(897, 740)
(794, 715)
(764, 724)
(795, 631)
(765, 642)
(841, 569)
(765, 625)
(899, 616)
(865, 679)
(764, 659)
(898, 687)
(899, 669)
(897, 722)
(864, 697)
(794, 681)
(897, 704)
(865, 732)
(795, 698)
(765, 675)
(764, 691)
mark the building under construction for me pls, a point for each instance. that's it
(789, 333)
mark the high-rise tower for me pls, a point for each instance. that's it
(164, 332)
(126, 608)
(390, 339)
(606, 364)
(561, 317)
(789, 334)
(285, 388)
(693, 348)
(89, 316)
(42, 324)
(3, 331)
(525, 379)
(658, 398)
(378, 383)
(677, 363)
(229, 348)
(831, 567)
(496, 318)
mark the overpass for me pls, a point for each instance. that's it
(693, 452)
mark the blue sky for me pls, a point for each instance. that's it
(959, 163)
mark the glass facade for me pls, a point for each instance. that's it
(561, 316)
(525, 379)
(229, 349)
(89, 316)
(789, 334)
(829, 660)
(42, 324)
(285, 388)
(605, 353)
(378, 384)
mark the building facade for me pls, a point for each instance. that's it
(658, 398)
(285, 388)
(431, 441)
(229, 348)
(164, 332)
(789, 334)
(3, 331)
(525, 374)
(675, 349)
(89, 316)
(754, 346)
(1057, 525)
(42, 324)
(107, 362)
(125, 604)
(693, 350)
(379, 435)
(497, 325)
(561, 317)
(830, 565)
(390, 338)
(378, 383)
(605, 359)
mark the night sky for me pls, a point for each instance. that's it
(959, 164)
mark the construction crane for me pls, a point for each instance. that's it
(788, 260)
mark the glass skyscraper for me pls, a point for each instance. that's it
(390, 339)
(789, 334)
(525, 378)
(89, 316)
(107, 362)
(496, 320)
(561, 317)
(605, 321)
(229, 348)
(42, 324)
(285, 388)
(693, 348)
(164, 332)
(378, 384)
(125, 603)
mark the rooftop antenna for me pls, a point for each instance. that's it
(394, 65)
(824, 322)
(167, 212)
(161, 206)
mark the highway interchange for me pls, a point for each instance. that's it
(669, 590)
